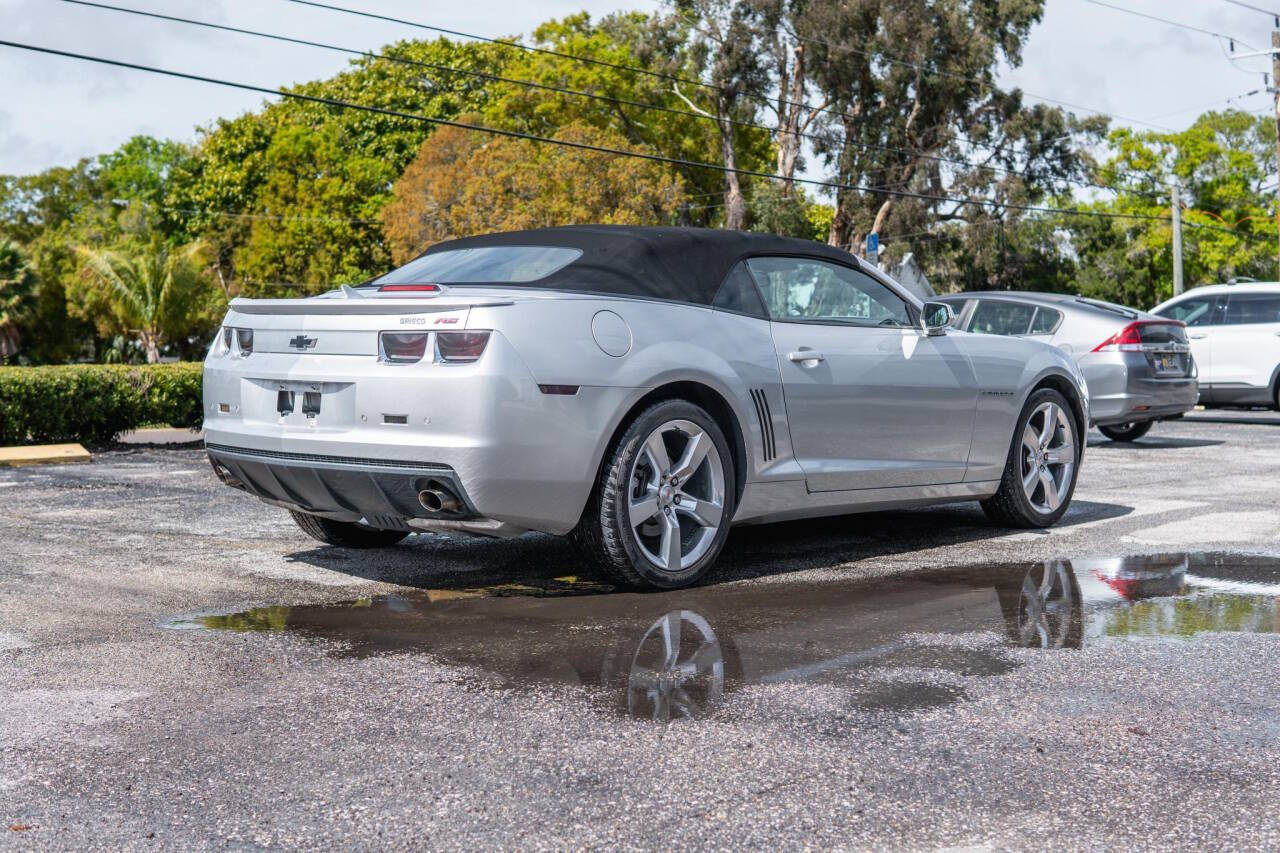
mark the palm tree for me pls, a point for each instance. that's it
(150, 291)
(17, 294)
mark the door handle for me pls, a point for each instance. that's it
(806, 355)
(1204, 335)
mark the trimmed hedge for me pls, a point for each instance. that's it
(94, 403)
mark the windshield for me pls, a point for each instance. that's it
(486, 265)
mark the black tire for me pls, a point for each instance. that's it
(1010, 505)
(345, 534)
(605, 536)
(1126, 432)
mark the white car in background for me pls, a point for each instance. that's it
(1234, 331)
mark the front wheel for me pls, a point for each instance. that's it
(1126, 432)
(1040, 473)
(661, 507)
(346, 534)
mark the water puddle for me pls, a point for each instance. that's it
(898, 642)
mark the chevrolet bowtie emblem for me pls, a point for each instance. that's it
(302, 342)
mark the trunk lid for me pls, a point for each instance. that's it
(348, 321)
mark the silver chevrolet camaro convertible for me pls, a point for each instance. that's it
(639, 389)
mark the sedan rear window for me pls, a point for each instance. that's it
(1045, 321)
(483, 265)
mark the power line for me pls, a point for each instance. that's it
(757, 97)
(964, 78)
(572, 92)
(1213, 103)
(407, 61)
(1168, 21)
(675, 78)
(1253, 8)
(658, 158)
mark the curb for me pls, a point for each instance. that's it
(42, 454)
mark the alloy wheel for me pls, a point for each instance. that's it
(1048, 457)
(675, 495)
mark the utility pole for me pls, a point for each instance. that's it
(1275, 88)
(1177, 238)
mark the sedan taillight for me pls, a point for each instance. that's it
(402, 347)
(1128, 339)
(461, 346)
(1131, 337)
(244, 341)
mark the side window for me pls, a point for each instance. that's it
(1001, 317)
(738, 293)
(1195, 311)
(1245, 308)
(1045, 321)
(817, 291)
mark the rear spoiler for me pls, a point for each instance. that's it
(1108, 306)
(381, 305)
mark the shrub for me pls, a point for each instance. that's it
(94, 403)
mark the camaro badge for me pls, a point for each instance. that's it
(302, 342)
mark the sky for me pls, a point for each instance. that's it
(55, 110)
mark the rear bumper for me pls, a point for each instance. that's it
(1123, 389)
(382, 493)
(515, 455)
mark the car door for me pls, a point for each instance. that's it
(872, 401)
(1246, 348)
(1203, 316)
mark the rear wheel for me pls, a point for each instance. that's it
(1126, 432)
(1040, 473)
(345, 533)
(660, 510)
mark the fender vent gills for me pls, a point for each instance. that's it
(766, 423)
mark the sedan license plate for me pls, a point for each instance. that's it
(1167, 363)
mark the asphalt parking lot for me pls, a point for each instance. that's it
(182, 667)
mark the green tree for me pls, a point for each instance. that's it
(915, 109)
(17, 298)
(159, 294)
(643, 109)
(1223, 161)
(317, 220)
(292, 194)
(30, 205)
(463, 183)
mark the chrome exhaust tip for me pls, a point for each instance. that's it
(438, 500)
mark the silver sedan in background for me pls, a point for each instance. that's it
(1138, 366)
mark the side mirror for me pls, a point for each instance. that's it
(936, 318)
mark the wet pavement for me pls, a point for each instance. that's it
(183, 668)
(674, 655)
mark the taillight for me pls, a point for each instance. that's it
(461, 346)
(1130, 338)
(402, 347)
(222, 343)
(411, 288)
(244, 341)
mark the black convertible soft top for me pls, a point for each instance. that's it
(681, 264)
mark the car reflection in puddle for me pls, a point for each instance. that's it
(896, 642)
